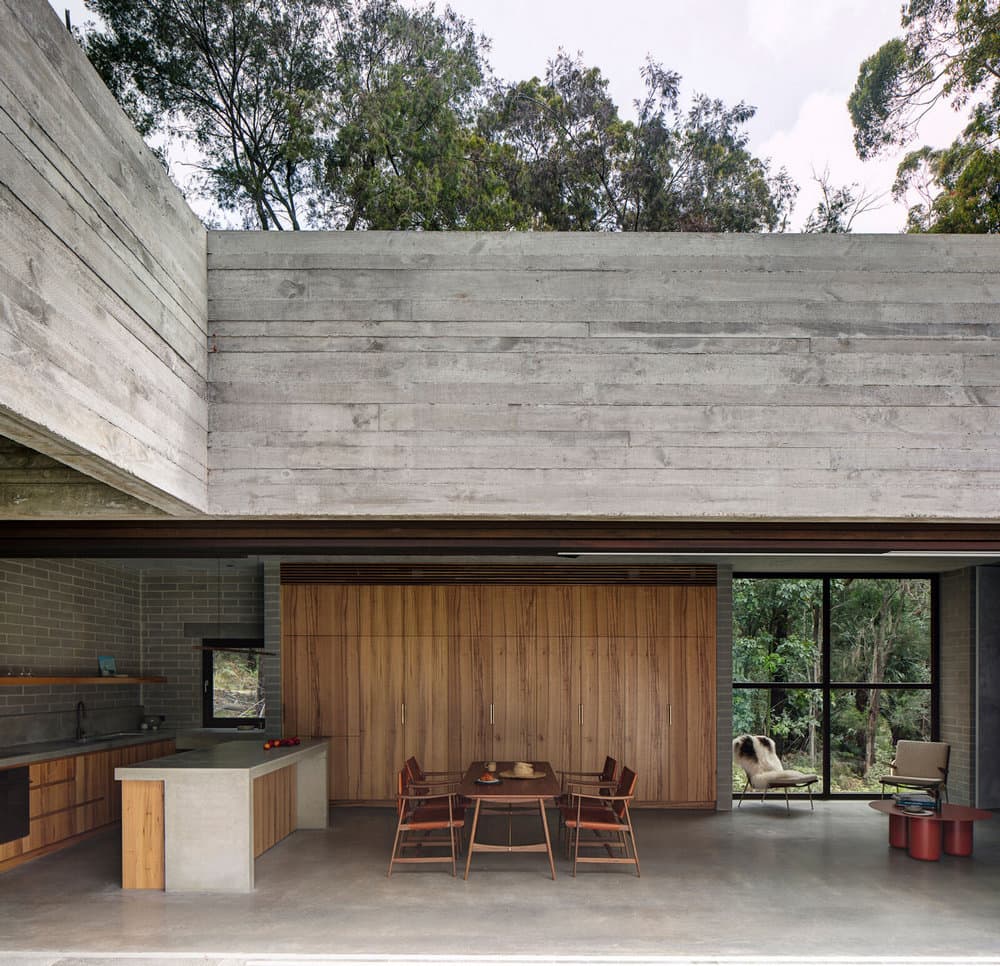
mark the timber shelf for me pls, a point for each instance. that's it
(33, 680)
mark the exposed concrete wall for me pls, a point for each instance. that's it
(669, 376)
(35, 486)
(957, 680)
(103, 346)
(56, 618)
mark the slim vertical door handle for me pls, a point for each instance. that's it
(581, 713)
(491, 712)
(670, 715)
(402, 713)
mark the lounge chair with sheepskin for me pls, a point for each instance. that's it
(757, 756)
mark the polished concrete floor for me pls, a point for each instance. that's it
(757, 884)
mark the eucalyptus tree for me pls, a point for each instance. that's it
(949, 52)
(238, 83)
(576, 164)
(404, 151)
(838, 206)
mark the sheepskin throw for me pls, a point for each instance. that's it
(756, 755)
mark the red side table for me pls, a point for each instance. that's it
(924, 836)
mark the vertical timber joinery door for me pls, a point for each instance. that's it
(452, 673)
(511, 610)
(426, 691)
(470, 686)
(558, 656)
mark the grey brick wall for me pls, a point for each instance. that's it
(724, 687)
(987, 687)
(271, 666)
(57, 617)
(957, 680)
(180, 609)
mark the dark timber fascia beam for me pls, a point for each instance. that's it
(211, 538)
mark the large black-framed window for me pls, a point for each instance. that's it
(232, 692)
(836, 668)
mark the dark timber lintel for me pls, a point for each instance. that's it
(213, 538)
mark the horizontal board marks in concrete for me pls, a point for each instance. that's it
(667, 376)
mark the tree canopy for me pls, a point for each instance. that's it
(402, 149)
(241, 80)
(950, 51)
(576, 164)
(368, 114)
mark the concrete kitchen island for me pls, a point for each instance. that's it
(196, 821)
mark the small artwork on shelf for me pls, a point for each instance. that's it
(106, 666)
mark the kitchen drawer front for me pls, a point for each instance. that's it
(74, 795)
(54, 772)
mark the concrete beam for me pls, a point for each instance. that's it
(33, 486)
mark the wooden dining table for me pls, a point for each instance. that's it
(511, 792)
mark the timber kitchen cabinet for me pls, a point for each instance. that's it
(378, 694)
(73, 795)
(453, 673)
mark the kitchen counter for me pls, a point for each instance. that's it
(17, 755)
(241, 756)
(196, 821)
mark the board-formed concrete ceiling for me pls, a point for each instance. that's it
(34, 486)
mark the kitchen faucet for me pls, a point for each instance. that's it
(81, 713)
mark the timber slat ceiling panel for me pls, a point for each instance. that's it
(343, 573)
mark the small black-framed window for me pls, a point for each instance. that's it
(231, 687)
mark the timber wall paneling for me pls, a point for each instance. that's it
(456, 673)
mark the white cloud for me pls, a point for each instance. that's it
(822, 136)
(802, 28)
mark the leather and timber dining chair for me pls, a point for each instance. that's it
(603, 780)
(920, 764)
(425, 820)
(417, 774)
(607, 818)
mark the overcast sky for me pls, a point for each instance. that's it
(794, 60)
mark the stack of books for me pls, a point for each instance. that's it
(910, 801)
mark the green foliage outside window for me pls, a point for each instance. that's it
(880, 634)
(236, 690)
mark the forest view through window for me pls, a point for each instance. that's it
(836, 670)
